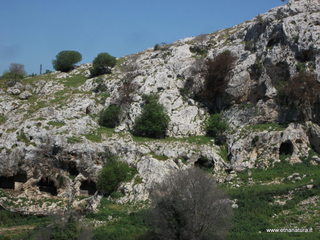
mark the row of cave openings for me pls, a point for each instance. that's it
(286, 149)
(88, 187)
(45, 185)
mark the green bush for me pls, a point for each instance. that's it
(153, 121)
(65, 60)
(110, 117)
(215, 127)
(113, 174)
(102, 63)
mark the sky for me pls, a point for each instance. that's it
(33, 32)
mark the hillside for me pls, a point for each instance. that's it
(266, 88)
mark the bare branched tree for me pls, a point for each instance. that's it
(189, 206)
(17, 70)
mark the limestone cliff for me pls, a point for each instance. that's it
(51, 142)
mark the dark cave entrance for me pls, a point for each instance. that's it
(204, 163)
(48, 186)
(70, 167)
(286, 148)
(21, 177)
(88, 188)
(6, 182)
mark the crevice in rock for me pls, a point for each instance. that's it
(48, 186)
(88, 187)
(286, 148)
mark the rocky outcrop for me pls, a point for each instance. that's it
(49, 132)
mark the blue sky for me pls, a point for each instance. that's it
(34, 31)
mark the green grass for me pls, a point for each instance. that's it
(100, 132)
(21, 136)
(126, 224)
(223, 153)
(192, 139)
(2, 119)
(56, 123)
(74, 81)
(74, 139)
(255, 212)
(159, 157)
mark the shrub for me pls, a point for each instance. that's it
(126, 92)
(215, 75)
(301, 94)
(110, 117)
(63, 228)
(153, 121)
(102, 64)
(215, 126)
(65, 60)
(113, 174)
(189, 205)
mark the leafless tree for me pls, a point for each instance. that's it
(189, 206)
(17, 70)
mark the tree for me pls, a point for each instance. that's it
(215, 127)
(102, 64)
(113, 174)
(153, 122)
(65, 60)
(16, 72)
(110, 117)
(216, 76)
(188, 205)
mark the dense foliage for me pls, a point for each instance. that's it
(215, 74)
(215, 127)
(110, 117)
(153, 122)
(65, 60)
(113, 174)
(102, 63)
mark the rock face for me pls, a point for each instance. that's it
(50, 134)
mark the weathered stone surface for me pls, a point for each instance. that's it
(55, 132)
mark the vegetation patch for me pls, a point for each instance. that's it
(2, 119)
(268, 127)
(113, 174)
(153, 122)
(97, 135)
(126, 221)
(74, 139)
(159, 157)
(74, 81)
(56, 123)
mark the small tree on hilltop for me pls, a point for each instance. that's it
(153, 121)
(102, 64)
(188, 205)
(65, 60)
(16, 72)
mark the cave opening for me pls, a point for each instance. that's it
(88, 188)
(48, 186)
(6, 182)
(286, 148)
(20, 177)
(204, 163)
